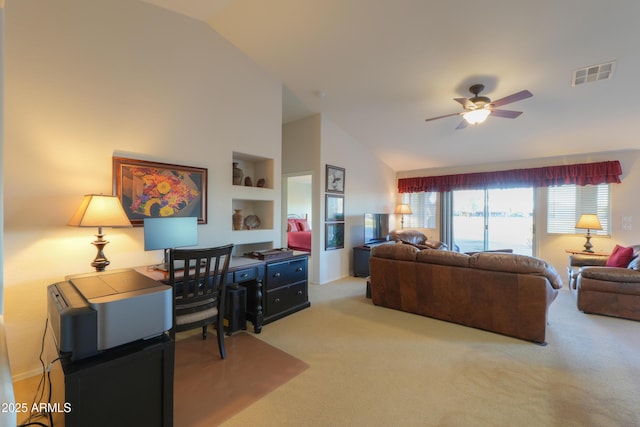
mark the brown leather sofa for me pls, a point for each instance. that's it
(504, 293)
(611, 291)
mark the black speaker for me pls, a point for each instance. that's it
(235, 318)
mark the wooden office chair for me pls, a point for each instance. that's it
(198, 278)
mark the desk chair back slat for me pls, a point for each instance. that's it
(198, 278)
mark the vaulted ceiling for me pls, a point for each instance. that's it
(378, 68)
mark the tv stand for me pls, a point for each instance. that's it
(361, 255)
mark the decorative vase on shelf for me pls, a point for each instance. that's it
(237, 219)
(237, 174)
(261, 182)
(248, 182)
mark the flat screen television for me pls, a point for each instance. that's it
(170, 232)
(376, 227)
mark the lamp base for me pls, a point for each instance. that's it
(100, 262)
(588, 247)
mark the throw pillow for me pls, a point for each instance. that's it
(620, 257)
(291, 225)
(303, 225)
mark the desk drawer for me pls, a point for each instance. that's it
(285, 298)
(245, 275)
(282, 273)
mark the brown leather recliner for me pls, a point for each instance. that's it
(611, 291)
(415, 238)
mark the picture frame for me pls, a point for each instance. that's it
(335, 177)
(334, 208)
(333, 235)
(151, 189)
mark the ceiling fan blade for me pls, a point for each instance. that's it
(442, 117)
(523, 94)
(507, 114)
(463, 124)
(462, 101)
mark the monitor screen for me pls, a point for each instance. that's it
(170, 232)
(376, 227)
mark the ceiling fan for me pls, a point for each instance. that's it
(478, 108)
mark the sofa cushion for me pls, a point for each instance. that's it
(515, 263)
(620, 257)
(395, 251)
(611, 274)
(434, 256)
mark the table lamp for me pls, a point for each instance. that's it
(98, 210)
(590, 222)
(403, 210)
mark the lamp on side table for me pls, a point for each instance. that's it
(590, 222)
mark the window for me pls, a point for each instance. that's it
(566, 203)
(493, 219)
(423, 208)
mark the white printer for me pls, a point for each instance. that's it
(93, 312)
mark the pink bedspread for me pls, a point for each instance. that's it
(299, 240)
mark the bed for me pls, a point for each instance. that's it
(298, 234)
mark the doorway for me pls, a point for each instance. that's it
(298, 204)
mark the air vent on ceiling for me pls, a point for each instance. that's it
(593, 73)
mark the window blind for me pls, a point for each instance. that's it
(566, 203)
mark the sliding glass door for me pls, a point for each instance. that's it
(493, 219)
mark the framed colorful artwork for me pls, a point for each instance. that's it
(335, 179)
(151, 190)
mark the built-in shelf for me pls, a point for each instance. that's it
(256, 168)
(254, 200)
(263, 209)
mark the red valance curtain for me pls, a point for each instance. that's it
(579, 174)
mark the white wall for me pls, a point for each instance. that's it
(370, 186)
(300, 154)
(551, 247)
(89, 80)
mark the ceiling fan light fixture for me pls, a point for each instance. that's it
(476, 116)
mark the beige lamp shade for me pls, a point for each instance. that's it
(403, 209)
(589, 221)
(98, 210)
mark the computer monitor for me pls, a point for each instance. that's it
(170, 232)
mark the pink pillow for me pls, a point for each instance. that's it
(303, 225)
(620, 257)
(291, 225)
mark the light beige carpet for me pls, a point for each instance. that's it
(209, 390)
(372, 366)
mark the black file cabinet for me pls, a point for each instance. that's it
(286, 287)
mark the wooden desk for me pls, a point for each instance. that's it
(247, 272)
(285, 281)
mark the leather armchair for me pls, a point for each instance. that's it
(611, 291)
